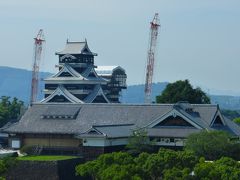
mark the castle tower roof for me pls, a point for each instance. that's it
(75, 47)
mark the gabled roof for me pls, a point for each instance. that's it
(107, 117)
(89, 70)
(97, 91)
(76, 48)
(70, 70)
(195, 123)
(75, 76)
(110, 131)
(89, 115)
(62, 91)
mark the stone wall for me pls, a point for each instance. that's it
(47, 170)
(91, 152)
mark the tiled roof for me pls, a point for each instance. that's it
(107, 118)
(62, 91)
(75, 48)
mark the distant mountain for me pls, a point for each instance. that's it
(226, 102)
(17, 83)
(135, 94)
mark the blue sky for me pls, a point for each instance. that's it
(198, 40)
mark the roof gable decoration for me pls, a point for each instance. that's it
(91, 132)
(67, 57)
(68, 69)
(61, 91)
(94, 131)
(173, 113)
(218, 119)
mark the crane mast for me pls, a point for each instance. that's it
(154, 26)
(37, 55)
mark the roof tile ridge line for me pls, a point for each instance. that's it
(105, 104)
(103, 94)
(49, 97)
(109, 125)
(199, 105)
(68, 42)
(205, 122)
(128, 104)
(86, 72)
(92, 95)
(90, 69)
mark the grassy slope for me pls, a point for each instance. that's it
(45, 158)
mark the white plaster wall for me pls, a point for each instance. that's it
(116, 142)
(100, 142)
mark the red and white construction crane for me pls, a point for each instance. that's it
(154, 26)
(39, 41)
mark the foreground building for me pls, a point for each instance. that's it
(92, 129)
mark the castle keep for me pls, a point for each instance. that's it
(79, 80)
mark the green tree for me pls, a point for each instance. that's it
(177, 174)
(156, 165)
(9, 109)
(122, 165)
(3, 167)
(182, 91)
(231, 114)
(224, 168)
(109, 166)
(237, 120)
(212, 145)
(5, 164)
